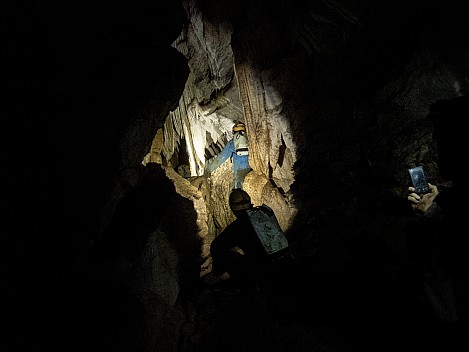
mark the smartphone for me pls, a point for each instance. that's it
(419, 181)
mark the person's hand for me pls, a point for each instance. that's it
(421, 203)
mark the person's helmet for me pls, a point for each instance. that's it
(239, 200)
(239, 126)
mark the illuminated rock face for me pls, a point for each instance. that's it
(335, 96)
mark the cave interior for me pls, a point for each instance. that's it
(112, 111)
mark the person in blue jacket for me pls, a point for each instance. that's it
(237, 151)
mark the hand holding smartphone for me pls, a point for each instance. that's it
(419, 181)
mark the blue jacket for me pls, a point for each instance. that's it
(240, 165)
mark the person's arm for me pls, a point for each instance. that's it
(221, 249)
(216, 161)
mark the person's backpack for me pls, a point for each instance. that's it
(267, 228)
(240, 140)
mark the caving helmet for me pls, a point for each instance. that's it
(239, 200)
(239, 126)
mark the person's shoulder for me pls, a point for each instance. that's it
(233, 227)
(230, 144)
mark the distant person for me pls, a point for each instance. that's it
(436, 246)
(237, 151)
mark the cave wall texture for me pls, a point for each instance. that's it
(112, 109)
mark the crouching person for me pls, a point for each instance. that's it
(253, 251)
